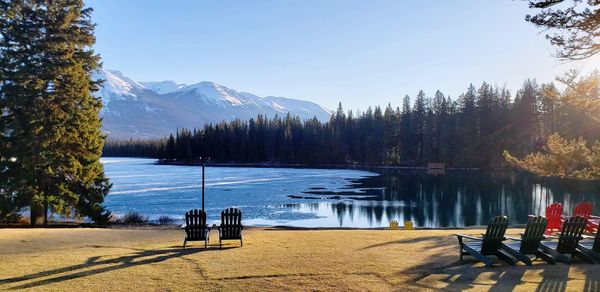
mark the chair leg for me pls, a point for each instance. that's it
(546, 257)
(241, 242)
(559, 257)
(478, 255)
(184, 242)
(460, 247)
(590, 252)
(586, 258)
(525, 259)
(564, 259)
(505, 257)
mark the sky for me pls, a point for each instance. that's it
(360, 53)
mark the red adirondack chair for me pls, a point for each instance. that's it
(585, 210)
(554, 216)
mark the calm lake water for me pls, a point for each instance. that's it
(338, 197)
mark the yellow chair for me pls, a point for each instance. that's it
(394, 225)
(408, 225)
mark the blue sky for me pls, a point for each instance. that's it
(358, 52)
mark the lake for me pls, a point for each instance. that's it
(338, 197)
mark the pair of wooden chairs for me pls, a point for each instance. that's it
(196, 228)
(533, 242)
(554, 214)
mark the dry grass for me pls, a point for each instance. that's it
(151, 259)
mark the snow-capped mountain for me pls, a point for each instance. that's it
(162, 87)
(135, 109)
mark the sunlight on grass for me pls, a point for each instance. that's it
(149, 259)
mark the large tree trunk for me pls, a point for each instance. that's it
(37, 214)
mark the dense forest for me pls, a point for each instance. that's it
(470, 131)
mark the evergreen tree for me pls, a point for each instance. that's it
(469, 132)
(407, 146)
(418, 125)
(50, 125)
(575, 26)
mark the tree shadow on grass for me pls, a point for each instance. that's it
(138, 258)
(432, 241)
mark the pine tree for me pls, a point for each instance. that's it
(50, 127)
(418, 124)
(407, 149)
(469, 133)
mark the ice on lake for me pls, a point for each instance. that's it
(263, 194)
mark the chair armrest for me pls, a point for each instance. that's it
(468, 237)
(588, 237)
(550, 237)
(514, 238)
(594, 217)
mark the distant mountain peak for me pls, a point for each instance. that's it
(135, 109)
(163, 87)
(211, 91)
(122, 78)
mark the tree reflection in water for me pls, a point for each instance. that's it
(461, 198)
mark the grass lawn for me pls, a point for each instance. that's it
(271, 259)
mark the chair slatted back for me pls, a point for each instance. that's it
(554, 215)
(231, 223)
(571, 234)
(596, 247)
(195, 224)
(583, 210)
(534, 233)
(494, 234)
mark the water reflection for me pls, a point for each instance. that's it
(455, 198)
(337, 197)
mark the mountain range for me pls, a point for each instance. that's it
(144, 110)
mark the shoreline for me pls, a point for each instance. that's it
(356, 166)
(317, 166)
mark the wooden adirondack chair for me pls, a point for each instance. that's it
(568, 241)
(489, 244)
(529, 243)
(231, 226)
(195, 227)
(554, 214)
(591, 247)
(585, 210)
